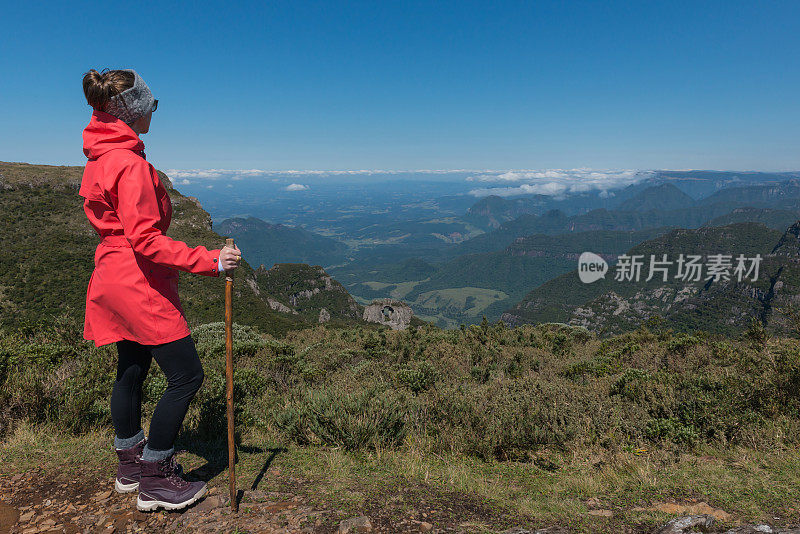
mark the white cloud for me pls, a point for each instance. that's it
(508, 182)
(296, 187)
(238, 174)
(557, 182)
(196, 173)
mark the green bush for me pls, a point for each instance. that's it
(418, 376)
(682, 342)
(372, 417)
(484, 390)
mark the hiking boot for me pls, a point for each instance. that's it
(128, 469)
(160, 485)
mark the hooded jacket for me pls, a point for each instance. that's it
(133, 290)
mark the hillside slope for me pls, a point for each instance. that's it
(307, 291)
(267, 244)
(48, 249)
(658, 197)
(651, 207)
(772, 218)
(610, 305)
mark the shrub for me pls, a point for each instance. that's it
(372, 417)
(488, 391)
(417, 377)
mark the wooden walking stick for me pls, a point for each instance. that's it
(229, 378)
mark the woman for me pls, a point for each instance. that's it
(132, 298)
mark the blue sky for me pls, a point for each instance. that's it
(417, 85)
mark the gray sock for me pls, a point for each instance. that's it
(150, 455)
(127, 443)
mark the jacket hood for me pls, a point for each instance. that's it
(106, 132)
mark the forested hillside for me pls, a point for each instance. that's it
(717, 303)
(48, 249)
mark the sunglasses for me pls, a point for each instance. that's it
(155, 105)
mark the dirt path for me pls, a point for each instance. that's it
(36, 502)
(39, 501)
(42, 502)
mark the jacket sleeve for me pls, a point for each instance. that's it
(138, 211)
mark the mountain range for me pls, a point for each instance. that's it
(267, 243)
(713, 300)
(520, 266)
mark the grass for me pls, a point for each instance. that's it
(748, 484)
(393, 290)
(404, 288)
(376, 285)
(457, 298)
(484, 426)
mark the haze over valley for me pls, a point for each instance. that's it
(458, 246)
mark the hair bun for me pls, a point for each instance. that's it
(99, 87)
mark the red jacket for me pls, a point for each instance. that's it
(133, 291)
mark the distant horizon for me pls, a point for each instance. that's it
(498, 182)
(358, 171)
(477, 183)
(482, 171)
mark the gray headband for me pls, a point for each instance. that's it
(133, 102)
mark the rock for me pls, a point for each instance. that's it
(355, 524)
(593, 502)
(424, 526)
(601, 513)
(9, 516)
(680, 525)
(690, 508)
(516, 530)
(278, 306)
(208, 504)
(102, 496)
(394, 313)
(324, 315)
(750, 529)
(761, 528)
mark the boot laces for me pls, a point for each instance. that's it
(170, 465)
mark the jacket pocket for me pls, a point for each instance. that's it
(164, 281)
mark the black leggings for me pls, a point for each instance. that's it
(181, 365)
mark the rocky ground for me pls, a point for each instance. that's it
(41, 502)
(34, 502)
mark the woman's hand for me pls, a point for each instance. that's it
(230, 257)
